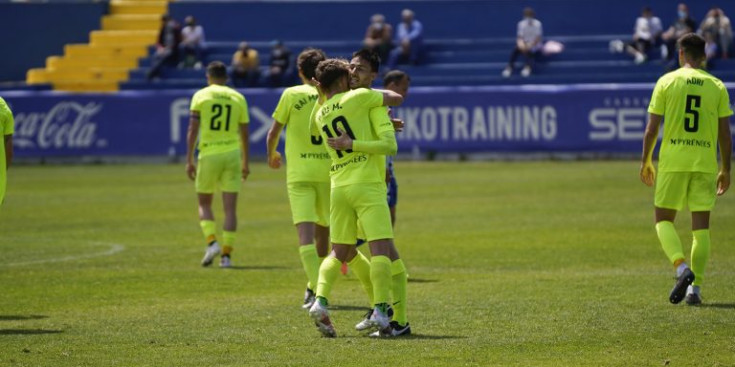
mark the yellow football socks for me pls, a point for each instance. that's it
(310, 262)
(228, 240)
(208, 229)
(670, 241)
(700, 254)
(328, 272)
(380, 275)
(400, 282)
(361, 267)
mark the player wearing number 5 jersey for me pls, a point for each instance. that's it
(219, 118)
(695, 108)
(357, 143)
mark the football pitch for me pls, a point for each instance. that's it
(510, 264)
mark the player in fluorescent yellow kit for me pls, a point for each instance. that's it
(219, 119)
(7, 126)
(364, 67)
(358, 137)
(696, 109)
(307, 171)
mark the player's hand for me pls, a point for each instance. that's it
(191, 171)
(342, 142)
(648, 173)
(245, 172)
(274, 160)
(397, 125)
(723, 182)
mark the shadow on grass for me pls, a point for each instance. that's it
(725, 306)
(21, 317)
(419, 280)
(256, 267)
(28, 331)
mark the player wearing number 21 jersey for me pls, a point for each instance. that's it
(219, 120)
(695, 109)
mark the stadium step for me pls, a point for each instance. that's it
(131, 22)
(100, 66)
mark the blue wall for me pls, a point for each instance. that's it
(442, 19)
(32, 32)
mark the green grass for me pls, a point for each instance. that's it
(524, 264)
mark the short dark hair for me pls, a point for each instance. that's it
(217, 70)
(394, 76)
(372, 57)
(693, 46)
(331, 70)
(308, 61)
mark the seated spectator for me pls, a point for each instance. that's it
(192, 44)
(245, 67)
(278, 66)
(409, 40)
(167, 47)
(717, 27)
(647, 34)
(682, 25)
(379, 36)
(529, 37)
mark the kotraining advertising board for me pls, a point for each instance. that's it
(576, 119)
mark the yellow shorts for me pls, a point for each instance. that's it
(697, 190)
(224, 169)
(363, 202)
(309, 202)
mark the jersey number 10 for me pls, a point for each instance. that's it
(215, 123)
(692, 124)
(346, 128)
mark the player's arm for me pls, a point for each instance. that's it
(245, 137)
(648, 172)
(192, 134)
(390, 98)
(385, 145)
(8, 150)
(724, 138)
(274, 134)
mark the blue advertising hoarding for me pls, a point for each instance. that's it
(549, 119)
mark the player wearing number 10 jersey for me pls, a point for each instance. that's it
(357, 143)
(219, 118)
(696, 109)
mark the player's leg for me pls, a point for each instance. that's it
(205, 184)
(230, 181)
(702, 195)
(671, 193)
(302, 197)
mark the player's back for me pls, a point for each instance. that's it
(221, 110)
(350, 112)
(306, 158)
(690, 101)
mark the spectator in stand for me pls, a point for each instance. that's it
(379, 36)
(648, 30)
(409, 40)
(278, 66)
(245, 67)
(167, 47)
(717, 27)
(529, 37)
(682, 25)
(192, 43)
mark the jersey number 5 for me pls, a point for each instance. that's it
(691, 124)
(346, 128)
(216, 123)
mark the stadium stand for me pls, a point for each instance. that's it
(471, 54)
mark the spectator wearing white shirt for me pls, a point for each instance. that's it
(409, 40)
(529, 37)
(192, 43)
(648, 30)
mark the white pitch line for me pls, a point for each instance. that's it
(114, 248)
